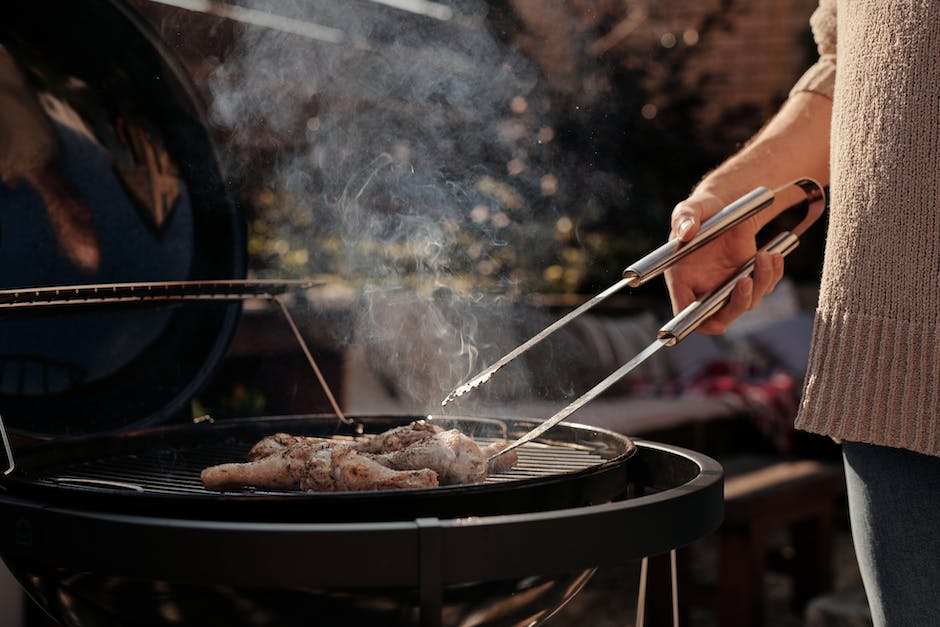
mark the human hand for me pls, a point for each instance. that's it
(699, 273)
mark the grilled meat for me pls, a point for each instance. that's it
(357, 471)
(277, 443)
(286, 469)
(452, 455)
(417, 455)
(400, 437)
(502, 463)
(320, 466)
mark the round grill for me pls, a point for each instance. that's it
(158, 471)
(148, 472)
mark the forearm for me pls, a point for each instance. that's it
(794, 144)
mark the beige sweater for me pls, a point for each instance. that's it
(874, 371)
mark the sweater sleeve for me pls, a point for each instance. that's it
(820, 77)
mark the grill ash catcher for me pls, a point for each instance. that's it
(103, 518)
(653, 265)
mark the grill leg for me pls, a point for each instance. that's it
(431, 588)
(674, 587)
(673, 575)
(641, 597)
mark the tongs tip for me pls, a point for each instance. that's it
(466, 387)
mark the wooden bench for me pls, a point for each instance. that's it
(761, 497)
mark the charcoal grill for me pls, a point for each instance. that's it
(102, 518)
(119, 527)
(156, 471)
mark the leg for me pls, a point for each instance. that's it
(894, 503)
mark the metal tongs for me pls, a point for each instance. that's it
(654, 264)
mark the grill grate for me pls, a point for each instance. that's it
(176, 470)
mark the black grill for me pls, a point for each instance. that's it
(157, 471)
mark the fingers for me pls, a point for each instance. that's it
(696, 276)
(738, 303)
(768, 270)
(747, 294)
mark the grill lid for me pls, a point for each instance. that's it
(107, 175)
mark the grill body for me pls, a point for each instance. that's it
(92, 554)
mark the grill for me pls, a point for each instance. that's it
(157, 470)
(85, 551)
(103, 520)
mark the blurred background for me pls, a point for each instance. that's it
(451, 169)
(522, 147)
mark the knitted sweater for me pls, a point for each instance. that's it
(874, 371)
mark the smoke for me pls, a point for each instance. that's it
(384, 138)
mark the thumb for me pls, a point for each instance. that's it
(687, 216)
